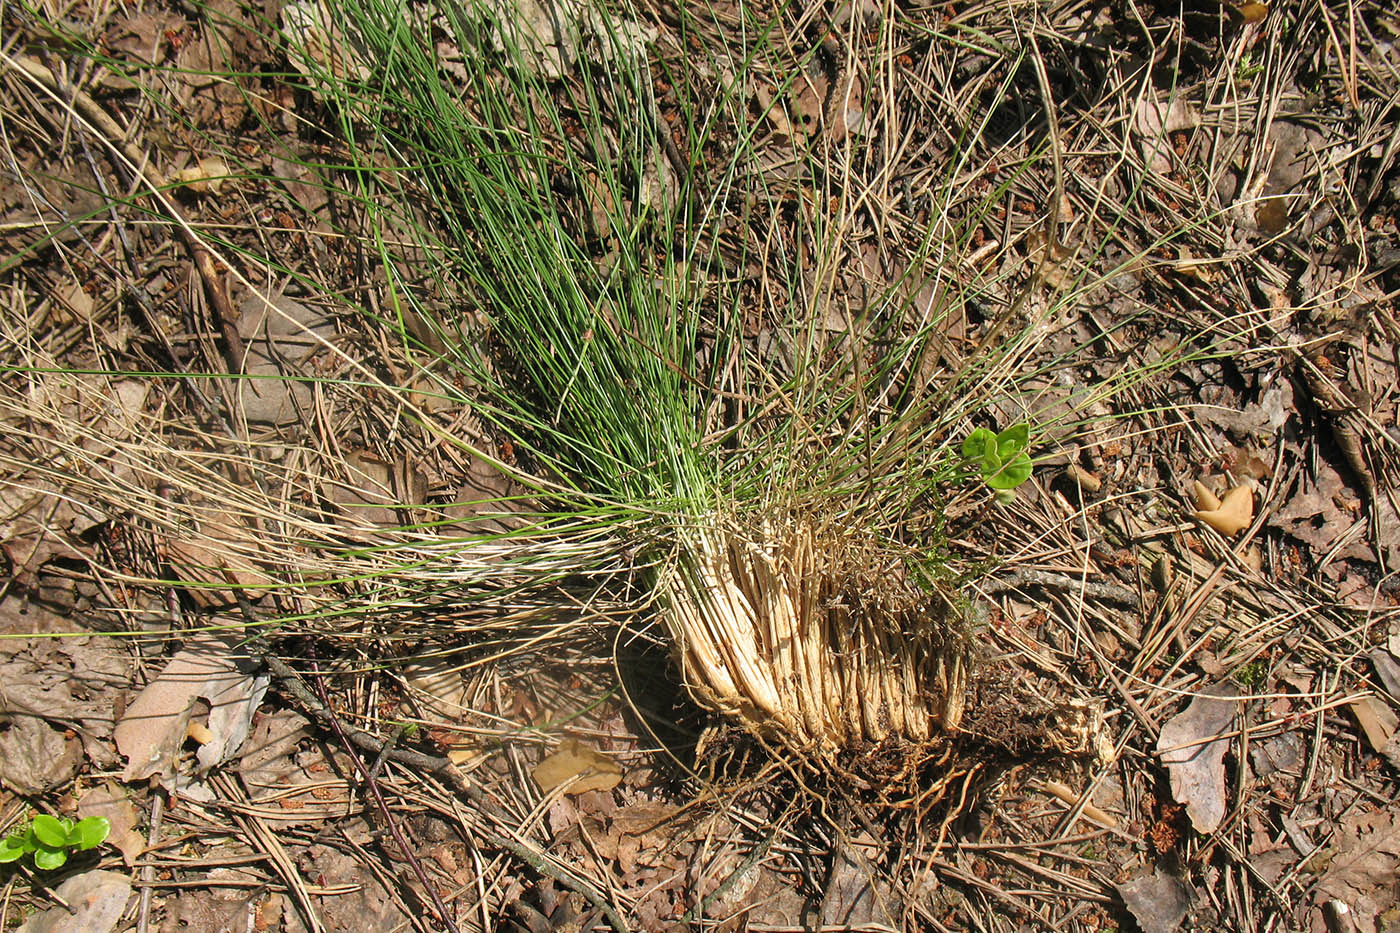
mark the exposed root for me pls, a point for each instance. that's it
(804, 633)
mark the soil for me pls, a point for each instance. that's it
(1185, 710)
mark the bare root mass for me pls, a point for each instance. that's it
(809, 633)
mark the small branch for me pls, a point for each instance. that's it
(434, 765)
(438, 904)
(148, 871)
(1112, 592)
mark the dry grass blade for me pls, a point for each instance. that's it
(549, 374)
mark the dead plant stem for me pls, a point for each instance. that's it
(438, 904)
(431, 764)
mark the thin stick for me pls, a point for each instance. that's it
(438, 904)
(1052, 229)
(148, 871)
(431, 764)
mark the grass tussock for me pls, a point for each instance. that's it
(809, 633)
(668, 325)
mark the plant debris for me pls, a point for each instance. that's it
(1363, 869)
(156, 724)
(1159, 901)
(274, 286)
(1192, 746)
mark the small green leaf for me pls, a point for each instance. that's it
(49, 831)
(1005, 496)
(989, 465)
(978, 444)
(90, 832)
(50, 858)
(12, 848)
(1011, 474)
(1013, 440)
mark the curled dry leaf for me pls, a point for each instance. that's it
(204, 177)
(594, 770)
(1377, 720)
(1155, 118)
(294, 782)
(34, 756)
(856, 894)
(114, 803)
(1193, 749)
(157, 722)
(1205, 499)
(222, 552)
(282, 338)
(1363, 868)
(1230, 515)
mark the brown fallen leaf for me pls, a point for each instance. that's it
(1194, 753)
(112, 801)
(142, 37)
(594, 770)
(1365, 865)
(1155, 118)
(1158, 902)
(1230, 515)
(1190, 266)
(366, 906)
(1377, 721)
(856, 896)
(1387, 665)
(293, 786)
(34, 756)
(204, 177)
(1205, 499)
(217, 560)
(157, 722)
(92, 902)
(1252, 12)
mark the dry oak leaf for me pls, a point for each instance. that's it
(1364, 871)
(157, 722)
(294, 786)
(114, 802)
(1158, 902)
(1192, 748)
(34, 756)
(1229, 515)
(1154, 120)
(91, 902)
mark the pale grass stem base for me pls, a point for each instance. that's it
(807, 636)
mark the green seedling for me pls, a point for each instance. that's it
(51, 839)
(1001, 459)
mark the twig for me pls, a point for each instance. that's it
(148, 871)
(438, 904)
(1113, 592)
(1052, 225)
(431, 764)
(383, 755)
